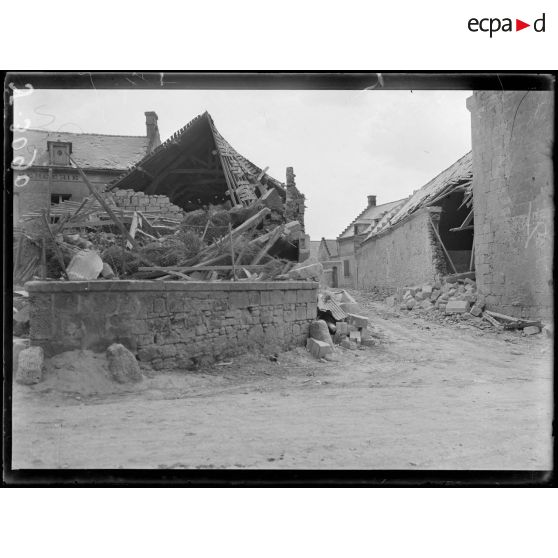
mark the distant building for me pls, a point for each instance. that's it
(102, 157)
(351, 237)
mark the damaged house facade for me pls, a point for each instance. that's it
(51, 178)
(192, 255)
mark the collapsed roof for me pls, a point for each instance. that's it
(457, 177)
(197, 167)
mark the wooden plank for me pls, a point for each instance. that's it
(200, 268)
(268, 245)
(442, 244)
(501, 316)
(210, 172)
(472, 262)
(59, 255)
(106, 207)
(232, 253)
(492, 321)
(459, 229)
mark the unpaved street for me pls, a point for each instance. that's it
(426, 396)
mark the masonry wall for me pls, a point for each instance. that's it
(512, 134)
(406, 255)
(139, 201)
(347, 253)
(171, 324)
(35, 195)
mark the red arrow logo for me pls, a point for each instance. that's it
(519, 25)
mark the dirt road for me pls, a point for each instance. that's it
(426, 396)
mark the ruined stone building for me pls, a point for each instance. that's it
(352, 236)
(512, 138)
(196, 168)
(51, 179)
(490, 214)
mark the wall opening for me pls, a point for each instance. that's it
(459, 243)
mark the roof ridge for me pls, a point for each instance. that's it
(78, 133)
(360, 214)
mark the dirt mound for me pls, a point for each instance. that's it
(80, 372)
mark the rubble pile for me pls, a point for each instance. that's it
(456, 298)
(338, 323)
(124, 241)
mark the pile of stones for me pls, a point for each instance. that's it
(452, 296)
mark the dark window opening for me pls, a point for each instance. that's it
(346, 268)
(59, 198)
(458, 243)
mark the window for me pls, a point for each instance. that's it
(59, 198)
(346, 268)
(59, 153)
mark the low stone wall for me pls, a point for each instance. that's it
(171, 324)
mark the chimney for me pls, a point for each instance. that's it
(371, 201)
(152, 131)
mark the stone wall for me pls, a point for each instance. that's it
(347, 253)
(139, 201)
(407, 254)
(171, 324)
(512, 135)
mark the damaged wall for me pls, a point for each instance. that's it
(512, 135)
(405, 255)
(139, 201)
(171, 324)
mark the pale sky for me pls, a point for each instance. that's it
(343, 145)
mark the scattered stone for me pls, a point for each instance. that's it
(367, 342)
(390, 301)
(318, 349)
(122, 364)
(346, 343)
(435, 295)
(332, 327)
(19, 345)
(476, 310)
(355, 336)
(107, 272)
(457, 307)
(411, 303)
(343, 328)
(427, 289)
(469, 281)
(357, 321)
(548, 330)
(30, 366)
(320, 332)
(85, 266)
(426, 304)
(531, 330)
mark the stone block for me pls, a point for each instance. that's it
(457, 307)
(320, 332)
(122, 364)
(349, 307)
(390, 301)
(85, 266)
(367, 342)
(426, 304)
(476, 310)
(19, 345)
(30, 366)
(357, 321)
(435, 295)
(343, 328)
(318, 349)
(411, 303)
(531, 330)
(427, 289)
(355, 336)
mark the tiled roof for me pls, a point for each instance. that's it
(458, 175)
(88, 150)
(366, 217)
(331, 246)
